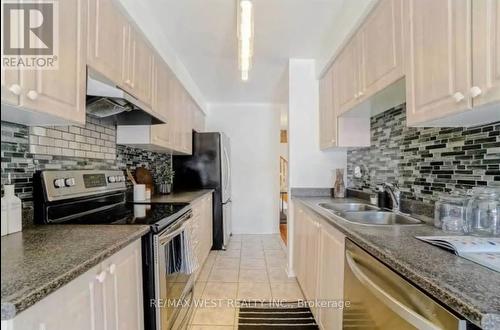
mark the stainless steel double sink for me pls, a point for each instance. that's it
(367, 214)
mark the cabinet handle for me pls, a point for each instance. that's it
(475, 91)
(361, 94)
(458, 97)
(15, 89)
(112, 269)
(333, 140)
(32, 95)
(101, 276)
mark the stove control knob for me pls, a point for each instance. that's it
(59, 183)
(70, 182)
(111, 179)
(122, 178)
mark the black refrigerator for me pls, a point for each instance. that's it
(209, 167)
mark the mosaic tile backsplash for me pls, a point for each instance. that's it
(92, 146)
(426, 162)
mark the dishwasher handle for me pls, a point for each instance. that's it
(397, 307)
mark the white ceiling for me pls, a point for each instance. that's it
(203, 34)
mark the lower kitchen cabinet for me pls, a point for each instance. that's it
(319, 264)
(331, 276)
(108, 296)
(201, 227)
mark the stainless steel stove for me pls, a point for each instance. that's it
(100, 197)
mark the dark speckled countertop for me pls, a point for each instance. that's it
(181, 197)
(41, 259)
(464, 286)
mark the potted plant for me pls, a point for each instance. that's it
(165, 178)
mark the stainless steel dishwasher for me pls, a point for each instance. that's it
(381, 299)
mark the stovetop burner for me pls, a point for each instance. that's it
(96, 197)
(130, 213)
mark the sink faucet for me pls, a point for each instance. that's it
(395, 194)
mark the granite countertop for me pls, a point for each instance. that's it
(41, 259)
(464, 286)
(181, 197)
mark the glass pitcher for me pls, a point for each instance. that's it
(483, 212)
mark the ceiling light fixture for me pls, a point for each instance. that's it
(245, 37)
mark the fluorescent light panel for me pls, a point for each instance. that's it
(245, 36)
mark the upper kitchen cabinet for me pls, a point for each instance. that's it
(137, 72)
(452, 64)
(11, 87)
(161, 135)
(161, 88)
(438, 58)
(185, 115)
(327, 114)
(170, 102)
(198, 119)
(118, 51)
(346, 77)
(335, 130)
(52, 96)
(381, 48)
(485, 51)
(106, 39)
(372, 59)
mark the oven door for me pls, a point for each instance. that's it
(379, 298)
(173, 288)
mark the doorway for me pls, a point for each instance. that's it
(284, 185)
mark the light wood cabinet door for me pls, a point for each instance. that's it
(331, 276)
(485, 51)
(11, 86)
(306, 234)
(438, 60)
(176, 106)
(137, 74)
(106, 39)
(299, 252)
(313, 230)
(198, 120)
(80, 311)
(206, 230)
(160, 134)
(327, 112)
(347, 76)
(188, 124)
(61, 92)
(201, 228)
(381, 48)
(123, 296)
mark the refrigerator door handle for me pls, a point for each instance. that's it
(227, 182)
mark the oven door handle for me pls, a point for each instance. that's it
(397, 307)
(179, 228)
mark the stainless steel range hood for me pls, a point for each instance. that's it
(107, 101)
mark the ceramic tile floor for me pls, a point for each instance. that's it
(253, 267)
